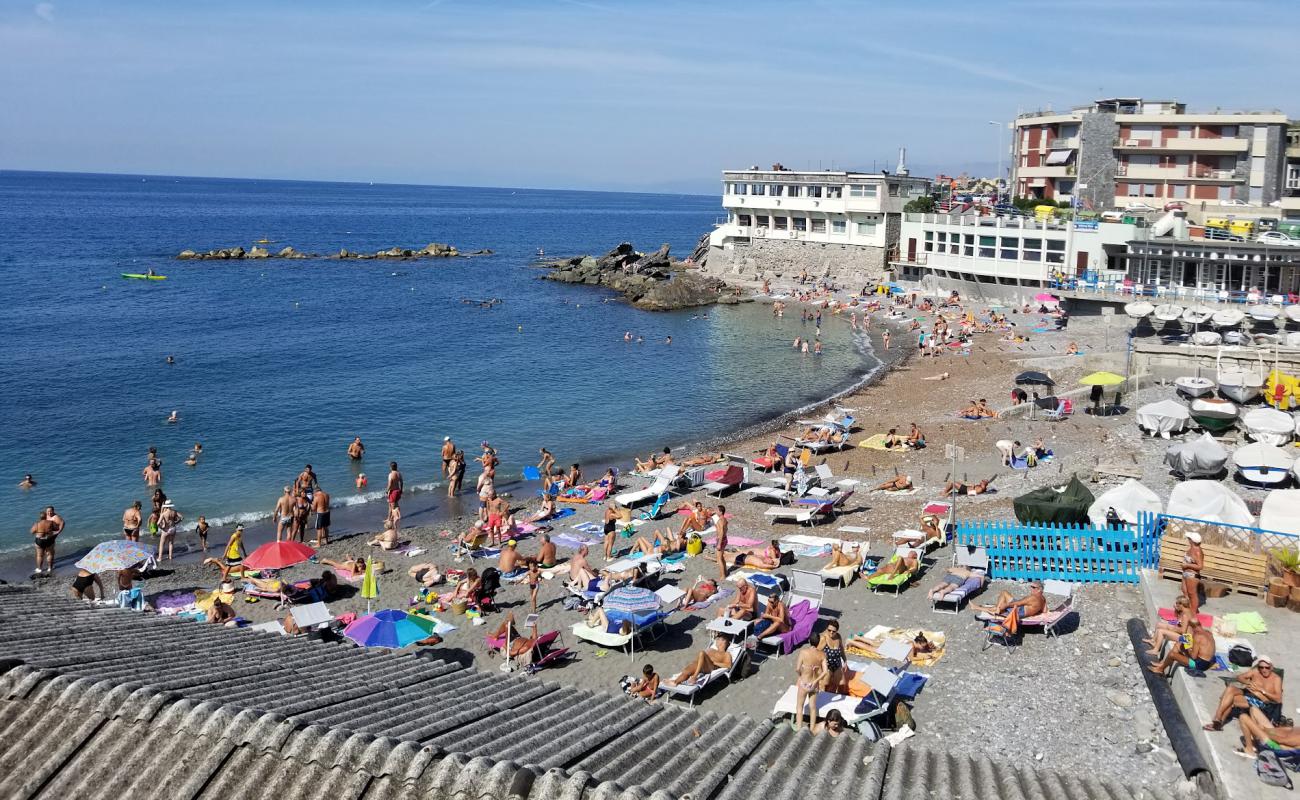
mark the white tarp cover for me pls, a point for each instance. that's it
(1210, 501)
(1281, 511)
(1199, 457)
(1165, 416)
(1259, 454)
(1267, 421)
(1129, 498)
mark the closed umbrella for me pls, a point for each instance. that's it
(114, 555)
(1101, 379)
(631, 600)
(389, 628)
(278, 555)
(1036, 378)
(370, 583)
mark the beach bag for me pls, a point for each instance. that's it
(1269, 769)
(1241, 655)
(694, 545)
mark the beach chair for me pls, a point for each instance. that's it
(721, 480)
(844, 575)
(803, 617)
(826, 477)
(689, 691)
(770, 494)
(547, 650)
(898, 582)
(642, 625)
(998, 631)
(975, 558)
(809, 511)
(657, 507)
(663, 483)
(769, 463)
(1063, 410)
(806, 585)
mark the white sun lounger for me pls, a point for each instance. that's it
(662, 483)
(827, 477)
(690, 690)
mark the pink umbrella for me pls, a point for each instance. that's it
(1046, 298)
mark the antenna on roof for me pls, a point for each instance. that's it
(902, 162)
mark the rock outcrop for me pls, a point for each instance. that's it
(652, 281)
(433, 250)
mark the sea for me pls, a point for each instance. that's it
(280, 363)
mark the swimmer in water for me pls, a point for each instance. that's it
(669, 340)
(627, 337)
(361, 481)
(356, 450)
(174, 418)
(27, 482)
(171, 359)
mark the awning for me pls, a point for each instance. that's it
(1058, 157)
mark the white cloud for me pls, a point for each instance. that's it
(45, 11)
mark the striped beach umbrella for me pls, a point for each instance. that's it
(389, 628)
(631, 600)
(114, 555)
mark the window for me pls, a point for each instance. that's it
(799, 223)
(762, 220)
(778, 223)
(818, 226)
(929, 247)
(1225, 192)
(740, 188)
(1007, 255)
(1228, 131)
(1010, 241)
(837, 226)
(743, 219)
(943, 237)
(814, 191)
(774, 190)
(987, 252)
(1178, 191)
(929, 236)
(893, 190)
(1064, 187)
(967, 250)
(1056, 251)
(794, 191)
(758, 188)
(835, 192)
(1033, 255)
(970, 239)
(1056, 244)
(867, 228)
(1033, 244)
(859, 190)
(988, 241)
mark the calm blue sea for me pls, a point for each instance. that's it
(281, 363)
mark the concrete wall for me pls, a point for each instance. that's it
(853, 266)
(1167, 362)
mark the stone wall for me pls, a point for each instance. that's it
(848, 265)
(1096, 159)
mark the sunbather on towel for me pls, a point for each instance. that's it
(775, 619)
(745, 605)
(915, 438)
(221, 613)
(899, 483)
(844, 558)
(715, 657)
(547, 510)
(546, 557)
(426, 574)
(1030, 605)
(767, 557)
(954, 579)
(892, 440)
(387, 538)
(898, 565)
(703, 459)
(1195, 651)
(961, 487)
(350, 567)
(467, 589)
(1166, 632)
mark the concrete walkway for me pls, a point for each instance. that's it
(1198, 697)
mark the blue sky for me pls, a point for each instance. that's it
(655, 96)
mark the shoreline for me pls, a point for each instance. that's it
(353, 515)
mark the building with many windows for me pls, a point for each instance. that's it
(1121, 152)
(841, 225)
(1291, 178)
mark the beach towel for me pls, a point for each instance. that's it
(1247, 622)
(588, 527)
(1168, 615)
(734, 541)
(905, 635)
(899, 492)
(877, 442)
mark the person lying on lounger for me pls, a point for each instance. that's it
(664, 543)
(655, 461)
(898, 483)
(715, 657)
(1195, 651)
(598, 620)
(745, 604)
(701, 590)
(608, 579)
(703, 459)
(961, 487)
(1030, 605)
(953, 579)
(898, 565)
(919, 645)
(843, 558)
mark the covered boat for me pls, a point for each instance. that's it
(1213, 414)
(1207, 338)
(1281, 511)
(1227, 318)
(1164, 417)
(1168, 312)
(1139, 309)
(1197, 315)
(1061, 505)
(1262, 463)
(1193, 385)
(1268, 425)
(1238, 383)
(1210, 501)
(1292, 313)
(1129, 499)
(1264, 313)
(1293, 338)
(1198, 458)
(1235, 337)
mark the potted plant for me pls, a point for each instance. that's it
(1288, 563)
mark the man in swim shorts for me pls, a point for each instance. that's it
(448, 451)
(283, 514)
(395, 486)
(1194, 651)
(356, 450)
(320, 503)
(43, 535)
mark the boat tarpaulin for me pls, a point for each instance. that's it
(1128, 499)
(1163, 417)
(1198, 458)
(1062, 505)
(1210, 501)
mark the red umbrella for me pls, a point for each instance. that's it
(278, 555)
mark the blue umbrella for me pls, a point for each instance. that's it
(114, 554)
(389, 628)
(631, 600)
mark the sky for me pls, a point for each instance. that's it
(596, 94)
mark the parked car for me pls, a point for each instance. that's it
(1232, 201)
(1114, 215)
(1174, 205)
(1140, 207)
(1278, 238)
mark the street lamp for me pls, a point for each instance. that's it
(997, 183)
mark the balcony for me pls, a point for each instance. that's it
(1181, 144)
(1194, 172)
(1063, 171)
(1072, 143)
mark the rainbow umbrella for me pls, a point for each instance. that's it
(389, 628)
(114, 555)
(278, 555)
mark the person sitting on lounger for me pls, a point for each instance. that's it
(843, 558)
(1169, 632)
(745, 604)
(645, 687)
(790, 466)
(1257, 688)
(775, 619)
(519, 645)
(715, 657)
(898, 483)
(930, 527)
(1030, 605)
(697, 520)
(1195, 651)
(1257, 731)
(769, 458)
(387, 538)
(897, 565)
(655, 461)
(953, 579)
(961, 487)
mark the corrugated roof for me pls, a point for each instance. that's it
(110, 702)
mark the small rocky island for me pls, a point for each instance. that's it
(651, 281)
(434, 250)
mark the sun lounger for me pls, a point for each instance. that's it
(690, 690)
(767, 463)
(803, 616)
(721, 480)
(827, 477)
(882, 691)
(977, 559)
(996, 631)
(662, 483)
(1065, 409)
(897, 582)
(810, 510)
(844, 575)
(913, 535)
(642, 624)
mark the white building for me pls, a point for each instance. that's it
(837, 224)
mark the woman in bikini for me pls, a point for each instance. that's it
(809, 674)
(832, 646)
(841, 558)
(1193, 563)
(350, 567)
(1166, 632)
(664, 543)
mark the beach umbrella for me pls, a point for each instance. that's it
(1101, 379)
(631, 600)
(370, 583)
(389, 628)
(278, 555)
(114, 555)
(1044, 297)
(1032, 377)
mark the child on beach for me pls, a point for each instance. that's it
(645, 687)
(202, 530)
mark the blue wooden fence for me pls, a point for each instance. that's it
(1077, 553)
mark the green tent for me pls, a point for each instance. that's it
(1061, 505)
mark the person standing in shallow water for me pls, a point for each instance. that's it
(448, 453)
(356, 450)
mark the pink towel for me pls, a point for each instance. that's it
(734, 541)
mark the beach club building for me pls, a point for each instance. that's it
(841, 225)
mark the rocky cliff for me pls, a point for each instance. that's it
(652, 281)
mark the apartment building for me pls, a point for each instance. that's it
(1120, 152)
(836, 224)
(1291, 178)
